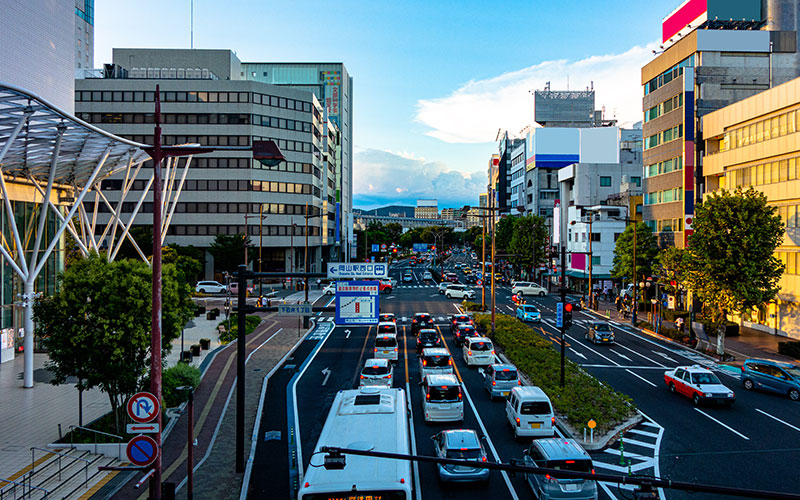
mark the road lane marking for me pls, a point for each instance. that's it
(480, 421)
(620, 354)
(576, 353)
(723, 424)
(641, 378)
(632, 367)
(642, 355)
(415, 464)
(777, 419)
(644, 433)
(663, 355)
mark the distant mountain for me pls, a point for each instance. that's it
(390, 211)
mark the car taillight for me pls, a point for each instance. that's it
(395, 349)
(362, 377)
(459, 395)
(519, 382)
(376, 349)
(469, 353)
(483, 458)
(492, 353)
(424, 362)
(494, 382)
(450, 362)
(390, 376)
(517, 419)
(548, 477)
(592, 471)
(553, 420)
(427, 397)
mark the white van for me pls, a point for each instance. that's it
(435, 361)
(529, 412)
(442, 400)
(478, 351)
(386, 346)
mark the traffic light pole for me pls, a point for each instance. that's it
(563, 291)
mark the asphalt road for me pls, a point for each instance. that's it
(751, 445)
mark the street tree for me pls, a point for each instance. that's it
(646, 251)
(733, 267)
(504, 231)
(228, 251)
(529, 242)
(97, 326)
(672, 264)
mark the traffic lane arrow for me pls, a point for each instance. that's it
(327, 374)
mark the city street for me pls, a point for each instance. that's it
(676, 440)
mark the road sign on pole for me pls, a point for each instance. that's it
(559, 314)
(376, 247)
(143, 407)
(357, 303)
(150, 428)
(142, 450)
(351, 271)
(303, 309)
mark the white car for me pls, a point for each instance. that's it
(210, 287)
(459, 292)
(478, 351)
(523, 288)
(427, 276)
(443, 286)
(330, 289)
(376, 372)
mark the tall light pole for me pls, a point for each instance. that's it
(483, 263)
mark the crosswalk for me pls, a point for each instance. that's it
(439, 320)
(634, 453)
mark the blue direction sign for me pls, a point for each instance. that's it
(376, 247)
(420, 247)
(357, 303)
(559, 314)
(348, 270)
(142, 450)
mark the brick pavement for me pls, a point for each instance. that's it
(216, 477)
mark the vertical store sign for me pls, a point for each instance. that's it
(332, 81)
(688, 153)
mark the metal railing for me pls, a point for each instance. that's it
(12, 486)
(67, 455)
(119, 444)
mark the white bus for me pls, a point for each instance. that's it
(369, 418)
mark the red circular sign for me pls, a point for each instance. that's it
(143, 407)
(142, 450)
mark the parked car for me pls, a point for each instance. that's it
(427, 276)
(421, 320)
(522, 288)
(459, 292)
(772, 376)
(699, 384)
(376, 372)
(460, 444)
(600, 333)
(499, 379)
(330, 289)
(210, 287)
(564, 454)
(527, 312)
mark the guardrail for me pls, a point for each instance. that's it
(73, 427)
(12, 485)
(85, 467)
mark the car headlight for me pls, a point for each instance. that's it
(730, 394)
(708, 394)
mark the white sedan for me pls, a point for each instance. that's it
(330, 289)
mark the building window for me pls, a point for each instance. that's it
(605, 181)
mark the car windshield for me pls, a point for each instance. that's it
(535, 408)
(385, 342)
(506, 374)
(386, 329)
(443, 393)
(463, 454)
(602, 327)
(530, 309)
(467, 331)
(423, 317)
(793, 371)
(427, 335)
(375, 370)
(573, 465)
(436, 361)
(705, 378)
(481, 346)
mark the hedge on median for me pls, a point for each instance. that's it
(583, 397)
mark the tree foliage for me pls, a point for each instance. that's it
(97, 326)
(187, 259)
(504, 231)
(529, 242)
(731, 253)
(673, 265)
(143, 235)
(228, 251)
(646, 251)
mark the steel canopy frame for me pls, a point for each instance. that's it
(47, 147)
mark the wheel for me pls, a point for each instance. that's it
(520, 294)
(748, 384)
(202, 290)
(541, 294)
(794, 395)
(448, 296)
(696, 399)
(672, 387)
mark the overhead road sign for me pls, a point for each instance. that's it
(303, 309)
(143, 407)
(420, 247)
(142, 450)
(350, 271)
(357, 303)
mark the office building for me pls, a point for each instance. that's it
(204, 101)
(567, 108)
(756, 142)
(84, 34)
(426, 209)
(517, 177)
(712, 54)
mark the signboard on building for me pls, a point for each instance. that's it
(357, 303)
(6, 345)
(332, 81)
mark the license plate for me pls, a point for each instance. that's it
(535, 425)
(570, 487)
(605, 340)
(505, 393)
(444, 406)
(386, 352)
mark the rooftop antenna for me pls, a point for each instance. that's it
(567, 82)
(191, 23)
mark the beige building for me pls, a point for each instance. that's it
(756, 142)
(426, 209)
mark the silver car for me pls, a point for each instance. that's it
(499, 379)
(564, 454)
(460, 444)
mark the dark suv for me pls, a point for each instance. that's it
(463, 332)
(459, 319)
(428, 338)
(421, 320)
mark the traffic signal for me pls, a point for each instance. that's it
(567, 315)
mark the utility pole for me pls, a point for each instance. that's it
(591, 289)
(634, 305)
(483, 263)
(563, 291)
(493, 264)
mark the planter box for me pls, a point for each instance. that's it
(205, 344)
(201, 310)
(210, 315)
(186, 356)
(195, 349)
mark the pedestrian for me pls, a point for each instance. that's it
(264, 301)
(679, 324)
(319, 283)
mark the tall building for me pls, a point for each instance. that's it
(567, 108)
(756, 142)
(713, 54)
(204, 101)
(517, 176)
(84, 34)
(427, 209)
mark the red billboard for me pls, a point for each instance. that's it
(689, 12)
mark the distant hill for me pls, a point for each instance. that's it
(390, 211)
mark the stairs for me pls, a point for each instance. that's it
(62, 474)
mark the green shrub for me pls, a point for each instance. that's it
(583, 397)
(670, 315)
(471, 306)
(789, 349)
(176, 376)
(251, 322)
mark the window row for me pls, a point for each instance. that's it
(791, 262)
(664, 167)
(669, 75)
(666, 225)
(664, 137)
(192, 96)
(763, 130)
(213, 230)
(759, 175)
(664, 107)
(666, 196)
(226, 140)
(216, 208)
(789, 215)
(226, 185)
(199, 119)
(285, 166)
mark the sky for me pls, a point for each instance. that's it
(434, 80)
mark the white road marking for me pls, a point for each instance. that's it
(641, 378)
(632, 367)
(620, 354)
(663, 356)
(722, 424)
(642, 355)
(576, 352)
(327, 374)
(644, 433)
(778, 420)
(417, 487)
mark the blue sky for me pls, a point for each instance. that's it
(433, 80)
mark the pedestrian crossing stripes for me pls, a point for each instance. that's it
(436, 319)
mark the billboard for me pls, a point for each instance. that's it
(691, 14)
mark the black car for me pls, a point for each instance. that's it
(459, 319)
(463, 332)
(428, 338)
(421, 320)
(576, 303)
(471, 278)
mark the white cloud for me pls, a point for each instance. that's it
(474, 112)
(386, 178)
